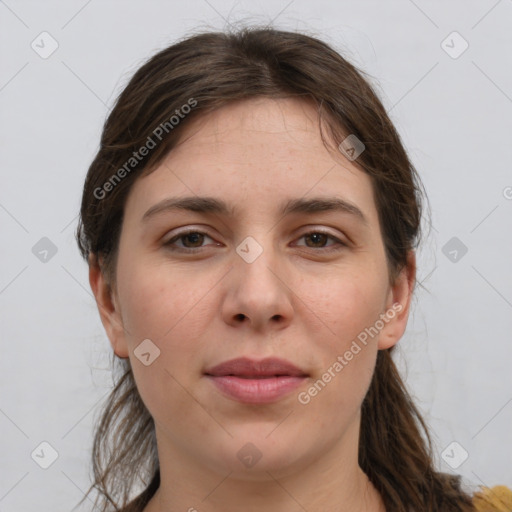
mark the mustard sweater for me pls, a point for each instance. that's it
(493, 499)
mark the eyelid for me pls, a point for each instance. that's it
(314, 228)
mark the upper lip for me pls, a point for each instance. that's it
(245, 367)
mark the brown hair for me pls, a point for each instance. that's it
(210, 70)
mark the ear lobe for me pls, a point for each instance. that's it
(398, 304)
(107, 308)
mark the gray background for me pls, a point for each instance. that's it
(454, 113)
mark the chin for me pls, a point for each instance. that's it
(252, 455)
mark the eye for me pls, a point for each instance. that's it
(191, 240)
(319, 238)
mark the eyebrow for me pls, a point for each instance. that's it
(217, 206)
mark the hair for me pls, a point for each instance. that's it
(210, 70)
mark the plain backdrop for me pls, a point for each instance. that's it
(443, 71)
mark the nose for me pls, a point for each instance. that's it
(258, 292)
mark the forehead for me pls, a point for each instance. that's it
(283, 126)
(254, 154)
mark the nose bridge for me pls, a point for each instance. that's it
(258, 292)
(257, 261)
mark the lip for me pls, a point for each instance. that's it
(256, 382)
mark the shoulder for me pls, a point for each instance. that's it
(493, 499)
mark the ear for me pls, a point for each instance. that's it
(398, 304)
(108, 308)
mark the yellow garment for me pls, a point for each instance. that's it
(493, 499)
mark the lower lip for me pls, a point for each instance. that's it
(256, 391)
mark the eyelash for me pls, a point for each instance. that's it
(341, 245)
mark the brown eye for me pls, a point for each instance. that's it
(318, 240)
(190, 240)
(193, 238)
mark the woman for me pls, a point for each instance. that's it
(250, 223)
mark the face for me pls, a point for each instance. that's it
(281, 272)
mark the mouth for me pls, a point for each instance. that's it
(256, 382)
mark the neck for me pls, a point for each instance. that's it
(272, 496)
(333, 482)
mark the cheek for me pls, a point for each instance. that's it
(341, 381)
(158, 303)
(168, 399)
(173, 314)
(347, 304)
(173, 309)
(344, 305)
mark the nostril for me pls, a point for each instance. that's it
(240, 316)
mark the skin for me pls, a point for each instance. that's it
(298, 301)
